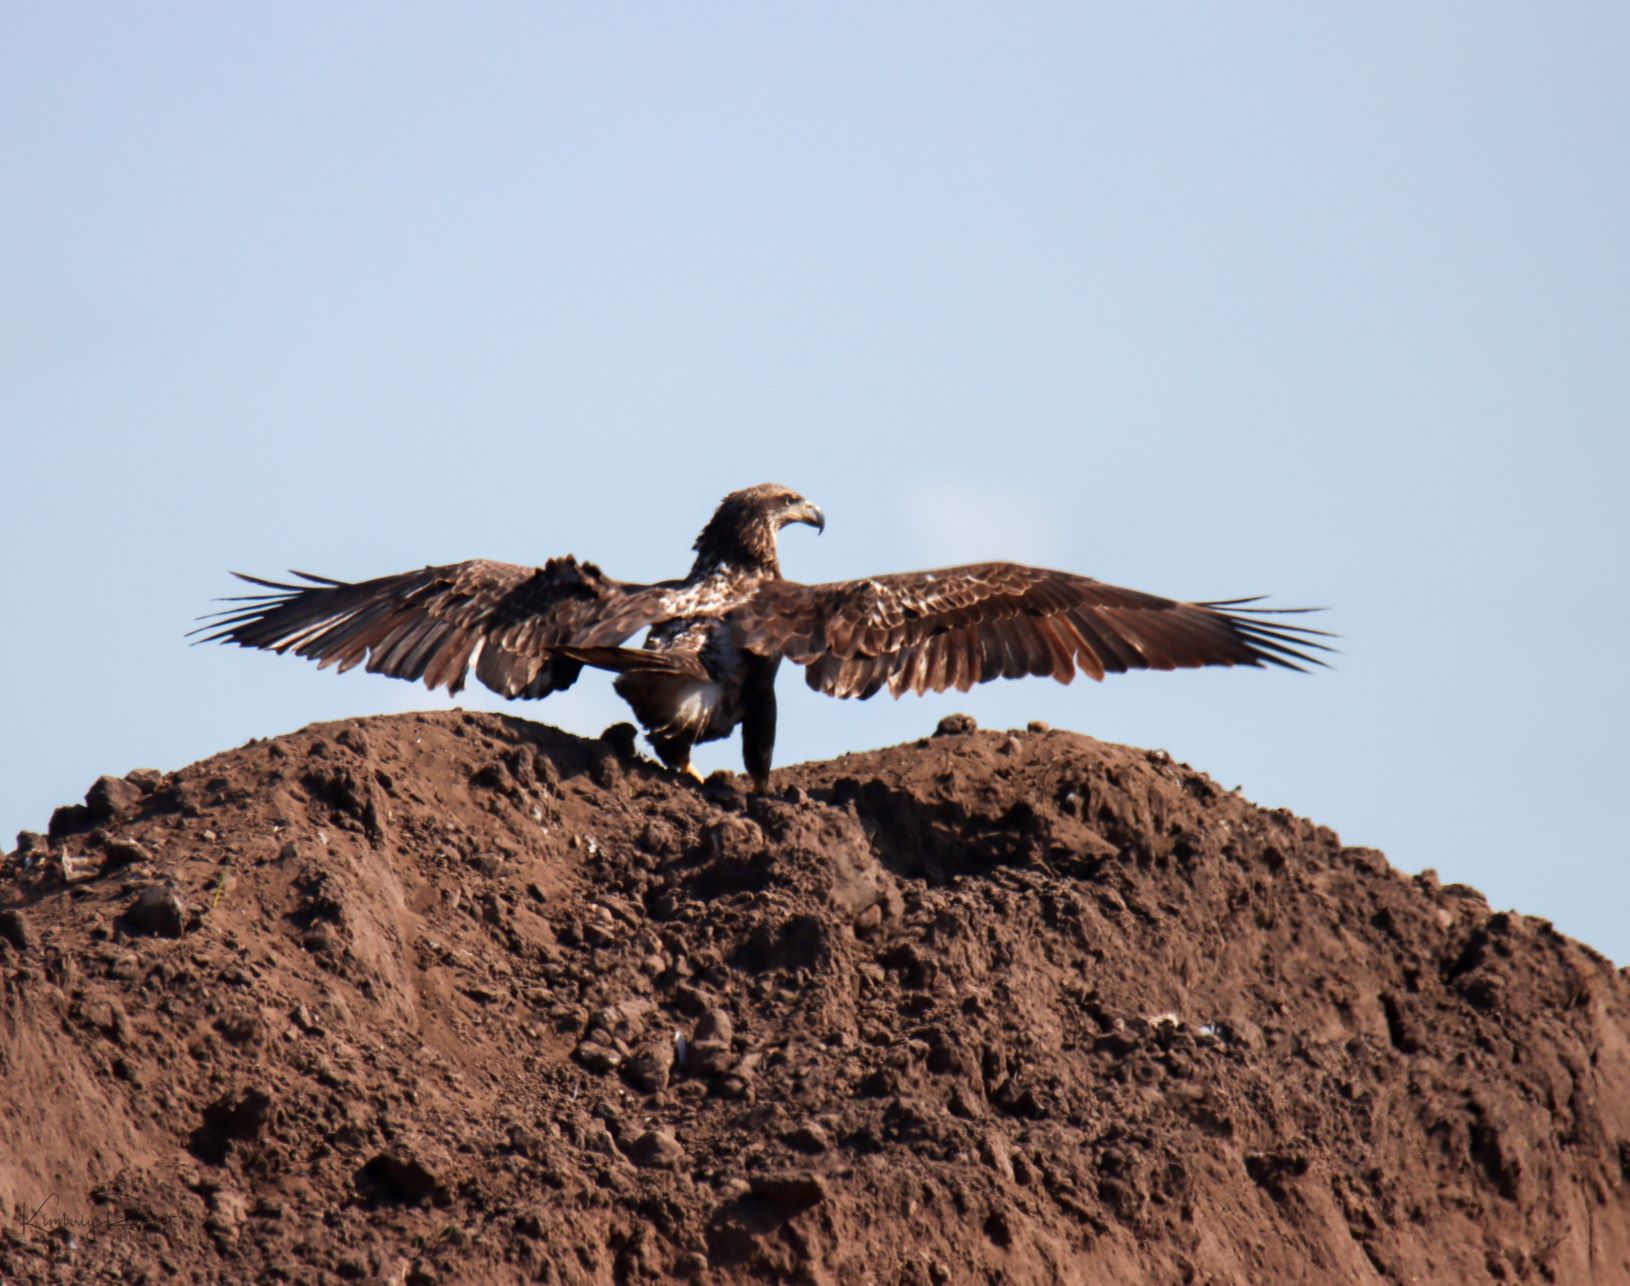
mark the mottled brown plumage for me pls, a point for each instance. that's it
(718, 636)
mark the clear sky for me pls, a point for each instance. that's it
(1328, 301)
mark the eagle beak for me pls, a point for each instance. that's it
(805, 512)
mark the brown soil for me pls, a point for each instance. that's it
(457, 997)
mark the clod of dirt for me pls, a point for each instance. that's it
(460, 997)
(16, 929)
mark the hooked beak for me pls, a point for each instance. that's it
(806, 512)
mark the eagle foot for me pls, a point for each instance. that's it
(690, 770)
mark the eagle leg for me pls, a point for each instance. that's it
(675, 755)
(758, 723)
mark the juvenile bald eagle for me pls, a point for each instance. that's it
(718, 636)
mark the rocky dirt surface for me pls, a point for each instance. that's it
(455, 997)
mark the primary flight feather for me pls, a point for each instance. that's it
(717, 637)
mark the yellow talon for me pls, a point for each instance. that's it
(690, 771)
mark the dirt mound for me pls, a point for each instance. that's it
(459, 997)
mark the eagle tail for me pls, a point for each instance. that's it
(635, 660)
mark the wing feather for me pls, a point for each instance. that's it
(431, 624)
(952, 628)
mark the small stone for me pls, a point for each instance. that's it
(157, 909)
(956, 725)
(146, 780)
(789, 1188)
(15, 929)
(651, 1068)
(809, 1138)
(1038, 725)
(656, 1150)
(111, 796)
(124, 852)
(598, 1057)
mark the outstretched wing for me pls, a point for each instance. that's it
(432, 624)
(952, 628)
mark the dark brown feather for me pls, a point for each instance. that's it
(929, 631)
(428, 624)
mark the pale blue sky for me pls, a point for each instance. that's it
(1324, 301)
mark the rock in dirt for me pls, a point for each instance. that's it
(790, 1188)
(157, 909)
(16, 929)
(111, 796)
(117, 853)
(656, 1150)
(652, 1066)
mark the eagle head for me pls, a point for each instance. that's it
(743, 528)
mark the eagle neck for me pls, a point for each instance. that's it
(734, 576)
(738, 551)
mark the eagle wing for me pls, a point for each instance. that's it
(929, 631)
(432, 624)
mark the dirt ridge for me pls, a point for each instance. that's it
(453, 996)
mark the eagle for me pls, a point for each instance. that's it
(717, 637)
